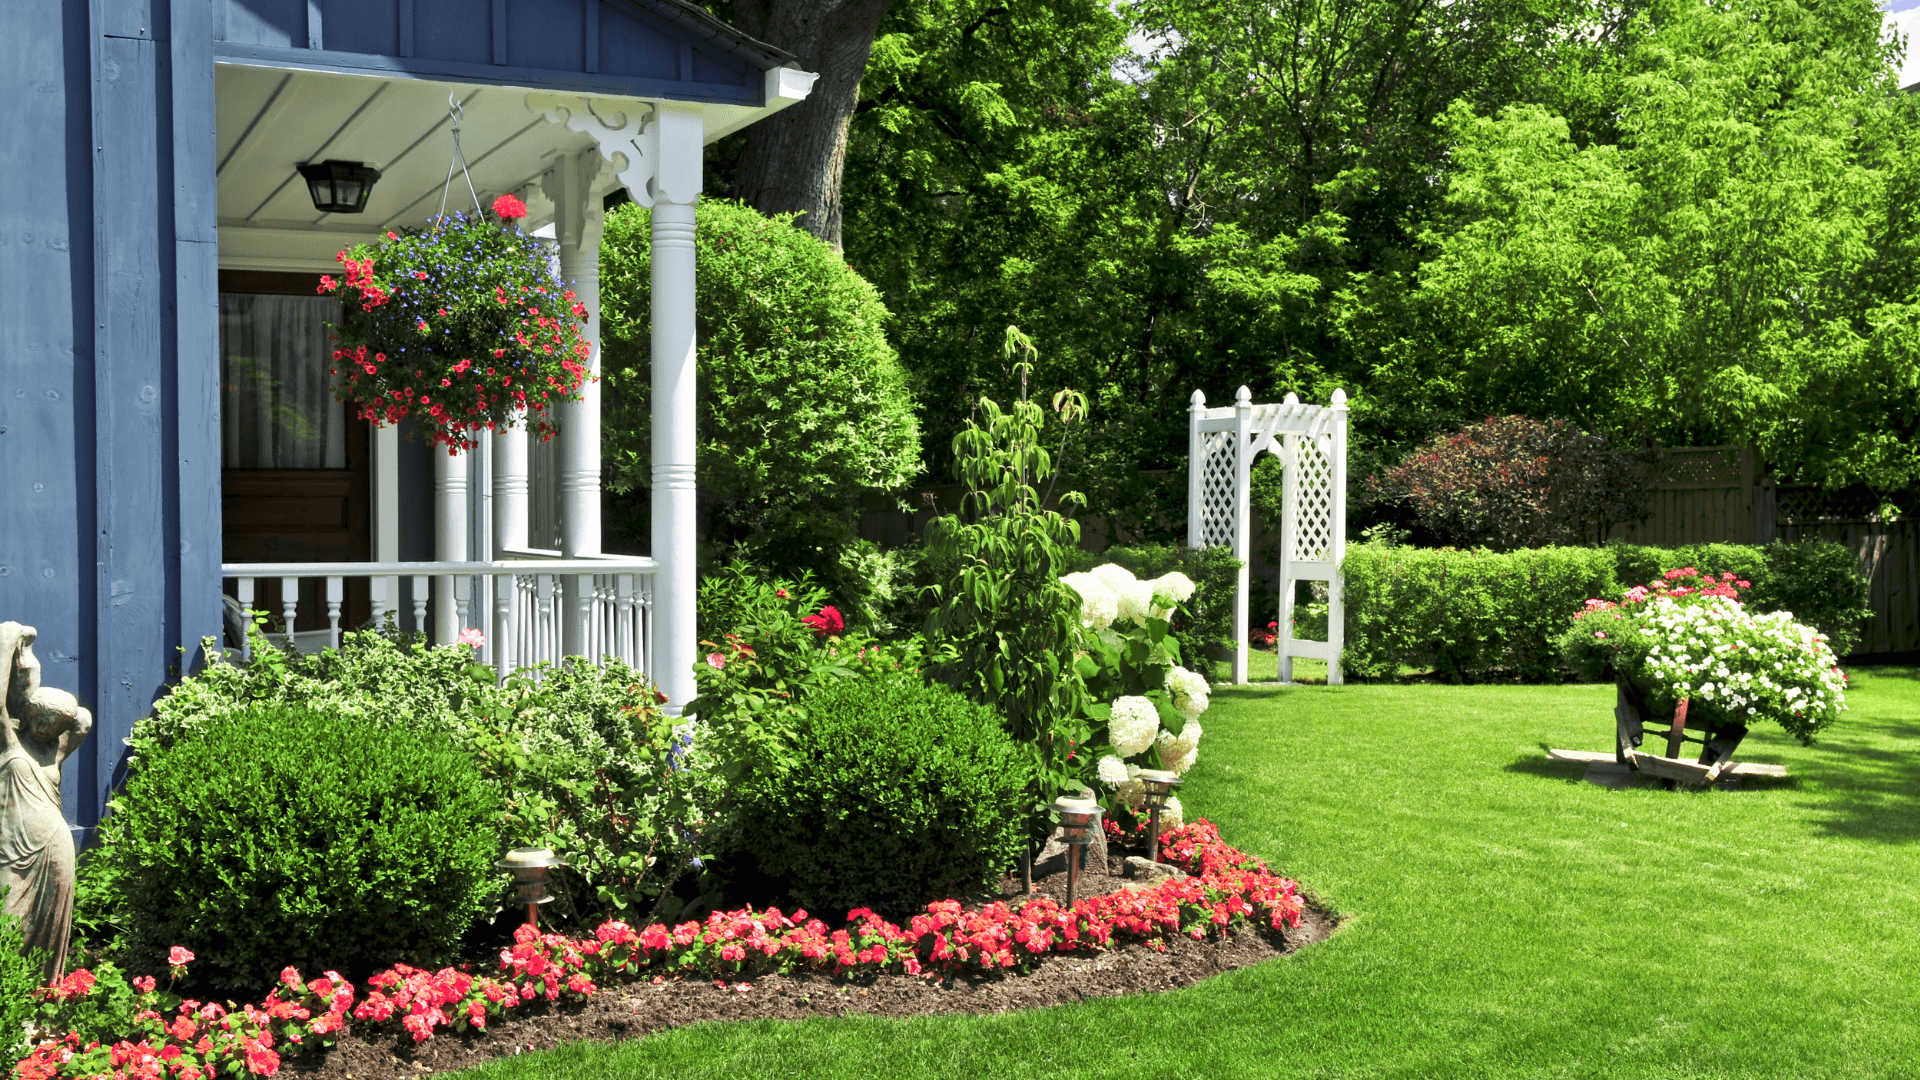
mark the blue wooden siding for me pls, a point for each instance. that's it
(117, 563)
(633, 47)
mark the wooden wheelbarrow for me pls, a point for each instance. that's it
(1717, 738)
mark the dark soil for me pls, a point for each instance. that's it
(632, 1011)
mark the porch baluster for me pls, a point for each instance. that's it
(244, 590)
(289, 604)
(335, 593)
(419, 603)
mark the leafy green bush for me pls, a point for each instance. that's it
(803, 405)
(19, 978)
(1466, 614)
(1206, 624)
(1819, 581)
(581, 749)
(900, 793)
(306, 837)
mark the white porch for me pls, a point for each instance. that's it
(515, 530)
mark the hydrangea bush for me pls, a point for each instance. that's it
(1689, 637)
(1145, 706)
(462, 322)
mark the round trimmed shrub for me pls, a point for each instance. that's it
(804, 410)
(304, 837)
(901, 793)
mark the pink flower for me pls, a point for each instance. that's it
(827, 623)
(716, 661)
(472, 637)
(179, 957)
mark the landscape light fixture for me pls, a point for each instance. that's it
(1079, 818)
(529, 867)
(339, 187)
(1159, 783)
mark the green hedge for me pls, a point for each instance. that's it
(1467, 615)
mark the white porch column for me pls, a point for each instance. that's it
(510, 488)
(676, 189)
(449, 537)
(578, 220)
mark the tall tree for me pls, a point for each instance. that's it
(792, 163)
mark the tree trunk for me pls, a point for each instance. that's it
(793, 160)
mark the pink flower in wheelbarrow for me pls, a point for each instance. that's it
(472, 637)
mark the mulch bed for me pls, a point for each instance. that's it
(632, 1011)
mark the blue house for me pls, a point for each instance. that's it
(167, 437)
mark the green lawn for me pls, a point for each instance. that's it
(1507, 919)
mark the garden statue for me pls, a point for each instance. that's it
(39, 727)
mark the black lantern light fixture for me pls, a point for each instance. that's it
(339, 187)
(529, 867)
(1079, 820)
(1159, 783)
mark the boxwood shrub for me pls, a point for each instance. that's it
(301, 836)
(899, 793)
(1477, 614)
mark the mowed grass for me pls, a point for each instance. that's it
(1506, 919)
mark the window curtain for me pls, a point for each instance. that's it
(276, 406)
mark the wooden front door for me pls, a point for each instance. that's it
(294, 476)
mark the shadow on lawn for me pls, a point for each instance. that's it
(1869, 793)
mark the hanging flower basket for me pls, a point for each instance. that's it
(463, 323)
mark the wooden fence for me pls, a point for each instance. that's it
(1718, 494)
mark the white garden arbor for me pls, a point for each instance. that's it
(1311, 442)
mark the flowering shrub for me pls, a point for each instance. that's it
(1146, 707)
(131, 1030)
(1688, 637)
(462, 322)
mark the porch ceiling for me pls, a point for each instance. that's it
(270, 120)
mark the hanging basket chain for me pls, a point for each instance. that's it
(455, 113)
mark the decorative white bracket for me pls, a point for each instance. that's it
(654, 147)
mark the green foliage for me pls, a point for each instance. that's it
(1819, 581)
(579, 748)
(1203, 626)
(1004, 631)
(19, 978)
(803, 408)
(1719, 268)
(1465, 615)
(301, 836)
(899, 793)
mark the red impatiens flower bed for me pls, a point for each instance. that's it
(166, 1038)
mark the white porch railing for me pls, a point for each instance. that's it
(521, 604)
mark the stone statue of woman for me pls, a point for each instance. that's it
(39, 727)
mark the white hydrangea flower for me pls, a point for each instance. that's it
(1186, 761)
(1173, 815)
(1112, 771)
(1113, 576)
(1174, 747)
(1133, 724)
(1175, 584)
(1136, 601)
(1098, 604)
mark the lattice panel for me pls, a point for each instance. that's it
(1311, 488)
(1217, 511)
(1699, 467)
